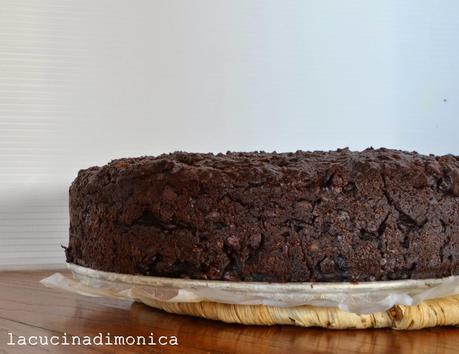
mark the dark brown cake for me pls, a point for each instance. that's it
(305, 216)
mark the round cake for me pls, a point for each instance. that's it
(271, 217)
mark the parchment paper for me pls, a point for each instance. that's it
(359, 298)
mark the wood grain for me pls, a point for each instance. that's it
(27, 308)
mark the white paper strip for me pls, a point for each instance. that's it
(358, 298)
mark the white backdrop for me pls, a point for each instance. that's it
(82, 82)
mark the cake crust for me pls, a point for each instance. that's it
(281, 217)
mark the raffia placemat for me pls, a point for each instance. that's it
(430, 313)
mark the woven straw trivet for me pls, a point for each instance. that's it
(430, 313)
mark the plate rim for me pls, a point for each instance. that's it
(266, 287)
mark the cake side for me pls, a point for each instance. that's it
(305, 216)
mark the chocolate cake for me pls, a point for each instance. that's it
(278, 217)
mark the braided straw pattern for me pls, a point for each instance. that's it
(430, 313)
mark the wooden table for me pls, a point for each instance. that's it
(29, 309)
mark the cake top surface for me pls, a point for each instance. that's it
(247, 165)
(289, 159)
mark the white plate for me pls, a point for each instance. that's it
(365, 297)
